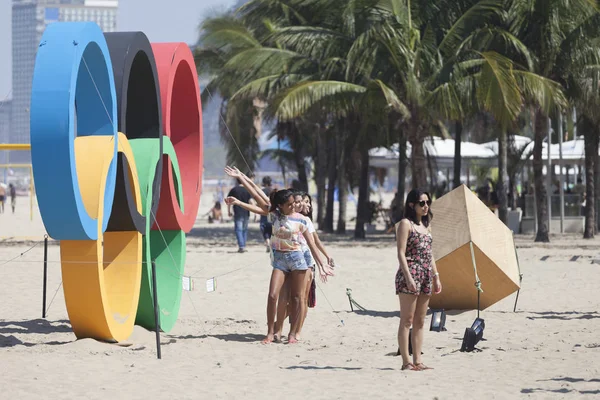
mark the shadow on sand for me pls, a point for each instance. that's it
(565, 315)
(228, 337)
(35, 326)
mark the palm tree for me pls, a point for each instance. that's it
(559, 34)
(221, 39)
(360, 62)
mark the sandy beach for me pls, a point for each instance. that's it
(547, 349)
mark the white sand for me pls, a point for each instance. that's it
(548, 349)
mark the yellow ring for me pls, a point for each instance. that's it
(101, 278)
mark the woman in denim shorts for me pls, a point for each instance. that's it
(288, 256)
(303, 205)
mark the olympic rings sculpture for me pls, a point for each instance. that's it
(116, 147)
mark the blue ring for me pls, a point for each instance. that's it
(61, 82)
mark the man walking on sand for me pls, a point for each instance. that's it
(240, 216)
(2, 197)
(13, 196)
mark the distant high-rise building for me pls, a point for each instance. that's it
(5, 108)
(29, 20)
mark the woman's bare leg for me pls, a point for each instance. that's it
(298, 280)
(418, 323)
(309, 278)
(408, 303)
(282, 307)
(277, 279)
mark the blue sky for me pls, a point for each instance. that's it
(162, 21)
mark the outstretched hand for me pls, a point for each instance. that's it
(230, 200)
(233, 172)
(325, 271)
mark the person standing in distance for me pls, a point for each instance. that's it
(13, 196)
(2, 198)
(240, 215)
(266, 227)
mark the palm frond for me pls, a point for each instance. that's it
(298, 99)
(480, 13)
(308, 40)
(262, 61)
(268, 86)
(226, 32)
(544, 92)
(392, 100)
(446, 101)
(497, 90)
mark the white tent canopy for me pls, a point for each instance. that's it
(443, 152)
(441, 149)
(519, 141)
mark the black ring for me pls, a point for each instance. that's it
(138, 93)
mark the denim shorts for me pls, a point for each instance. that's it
(310, 261)
(288, 261)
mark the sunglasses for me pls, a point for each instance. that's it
(423, 202)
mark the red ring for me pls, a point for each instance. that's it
(182, 122)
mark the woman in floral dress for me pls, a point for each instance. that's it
(417, 276)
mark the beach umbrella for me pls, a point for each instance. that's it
(474, 253)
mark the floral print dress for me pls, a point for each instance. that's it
(418, 255)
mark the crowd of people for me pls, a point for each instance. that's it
(298, 255)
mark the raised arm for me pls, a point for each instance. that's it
(232, 201)
(254, 190)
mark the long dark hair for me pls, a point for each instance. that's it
(308, 214)
(414, 196)
(278, 198)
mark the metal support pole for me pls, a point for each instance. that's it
(520, 275)
(477, 281)
(348, 293)
(30, 193)
(549, 177)
(561, 190)
(156, 313)
(45, 276)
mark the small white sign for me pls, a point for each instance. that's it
(188, 283)
(211, 285)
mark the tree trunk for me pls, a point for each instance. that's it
(596, 182)
(512, 188)
(591, 154)
(281, 162)
(502, 176)
(362, 209)
(331, 182)
(301, 167)
(342, 190)
(457, 156)
(418, 163)
(402, 163)
(320, 177)
(541, 201)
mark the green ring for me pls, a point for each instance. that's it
(170, 258)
